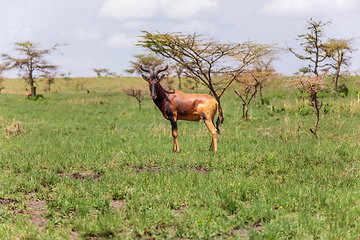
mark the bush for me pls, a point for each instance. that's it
(280, 95)
(343, 90)
(266, 100)
(36, 97)
(304, 109)
(328, 108)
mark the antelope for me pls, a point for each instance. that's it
(176, 105)
(28, 94)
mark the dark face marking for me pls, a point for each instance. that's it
(153, 81)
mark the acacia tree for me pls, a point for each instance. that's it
(247, 93)
(49, 79)
(148, 61)
(253, 80)
(33, 63)
(261, 73)
(312, 44)
(105, 72)
(137, 93)
(338, 51)
(205, 59)
(312, 85)
(179, 70)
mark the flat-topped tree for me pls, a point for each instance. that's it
(148, 61)
(212, 63)
(313, 48)
(31, 62)
(338, 51)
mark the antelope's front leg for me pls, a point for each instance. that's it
(175, 137)
(173, 120)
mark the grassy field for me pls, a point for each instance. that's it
(92, 166)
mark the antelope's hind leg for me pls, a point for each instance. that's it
(208, 115)
(175, 138)
(210, 125)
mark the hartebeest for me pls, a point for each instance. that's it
(176, 105)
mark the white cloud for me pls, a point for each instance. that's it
(192, 26)
(84, 34)
(125, 10)
(121, 40)
(187, 9)
(308, 7)
(20, 34)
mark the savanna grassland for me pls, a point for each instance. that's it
(92, 166)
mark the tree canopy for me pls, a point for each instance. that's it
(212, 63)
(32, 62)
(312, 44)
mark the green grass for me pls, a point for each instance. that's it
(270, 179)
(75, 85)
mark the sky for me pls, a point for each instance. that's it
(103, 33)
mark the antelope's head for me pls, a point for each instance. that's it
(153, 80)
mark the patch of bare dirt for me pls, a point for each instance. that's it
(73, 235)
(201, 169)
(180, 210)
(115, 204)
(239, 233)
(141, 168)
(35, 210)
(81, 176)
(4, 201)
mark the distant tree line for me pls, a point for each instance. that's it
(104, 72)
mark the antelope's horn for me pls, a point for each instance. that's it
(161, 70)
(143, 69)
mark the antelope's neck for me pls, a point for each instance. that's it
(161, 98)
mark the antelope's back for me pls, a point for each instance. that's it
(191, 106)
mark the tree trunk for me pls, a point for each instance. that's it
(337, 73)
(31, 82)
(179, 77)
(139, 105)
(221, 114)
(336, 81)
(317, 123)
(246, 111)
(317, 117)
(243, 110)
(260, 95)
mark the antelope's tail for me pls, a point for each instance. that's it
(218, 118)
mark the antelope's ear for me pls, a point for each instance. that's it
(162, 77)
(145, 77)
